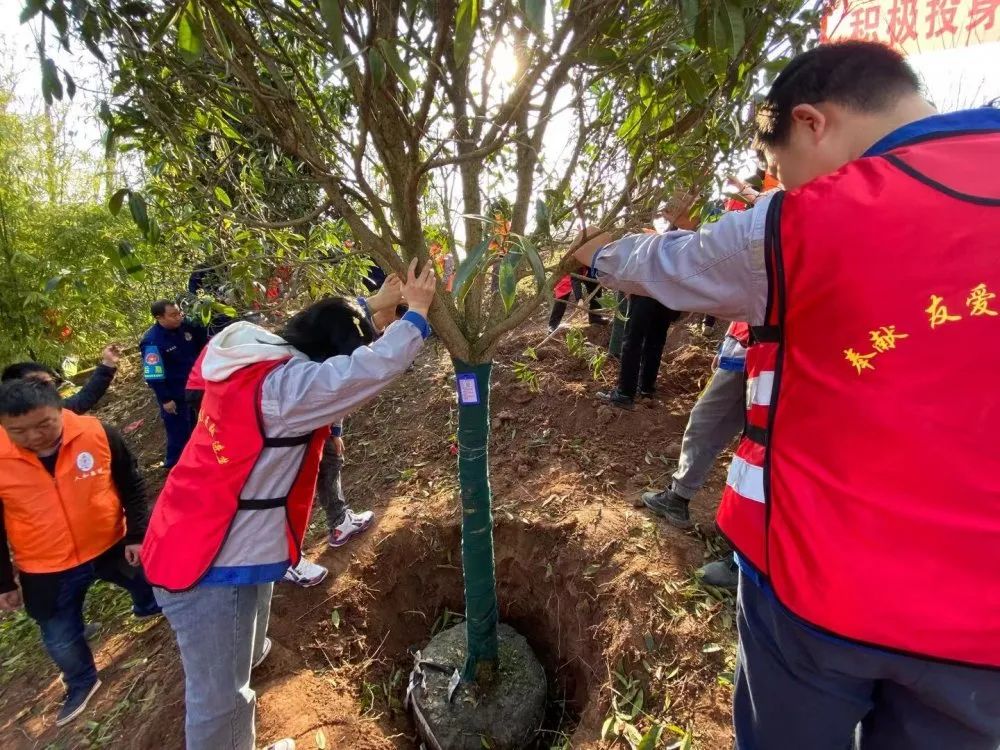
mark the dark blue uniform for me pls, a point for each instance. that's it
(167, 359)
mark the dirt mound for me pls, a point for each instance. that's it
(601, 590)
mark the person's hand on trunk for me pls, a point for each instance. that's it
(419, 288)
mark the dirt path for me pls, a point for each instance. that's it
(601, 589)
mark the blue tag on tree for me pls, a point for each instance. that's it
(468, 389)
(152, 364)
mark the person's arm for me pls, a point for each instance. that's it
(718, 269)
(92, 391)
(6, 566)
(302, 396)
(130, 484)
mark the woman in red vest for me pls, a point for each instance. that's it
(232, 515)
(864, 497)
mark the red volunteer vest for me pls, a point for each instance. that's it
(740, 332)
(196, 508)
(866, 488)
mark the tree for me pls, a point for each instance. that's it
(398, 117)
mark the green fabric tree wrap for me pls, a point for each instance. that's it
(477, 521)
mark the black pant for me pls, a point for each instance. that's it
(645, 337)
(329, 491)
(580, 290)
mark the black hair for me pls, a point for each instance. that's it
(865, 76)
(328, 328)
(20, 370)
(159, 308)
(19, 397)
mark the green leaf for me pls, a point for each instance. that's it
(51, 85)
(508, 278)
(320, 739)
(689, 15)
(600, 55)
(70, 85)
(137, 207)
(330, 10)
(534, 15)
(116, 200)
(190, 33)
(650, 738)
(223, 197)
(469, 268)
(534, 260)
(735, 29)
(694, 87)
(466, 21)
(402, 72)
(377, 66)
(335, 618)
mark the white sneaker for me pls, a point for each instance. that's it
(353, 523)
(285, 744)
(306, 574)
(263, 653)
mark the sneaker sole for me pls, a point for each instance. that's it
(308, 583)
(349, 537)
(268, 643)
(675, 522)
(80, 709)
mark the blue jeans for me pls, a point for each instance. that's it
(220, 631)
(55, 602)
(799, 688)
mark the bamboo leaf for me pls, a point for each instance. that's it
(466, 21)
(376, 65)
(467, 271)
(400, 68)
(190, 33)
(650, 738)
(70, 85)
(330, 10)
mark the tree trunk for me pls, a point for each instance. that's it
(477, 521)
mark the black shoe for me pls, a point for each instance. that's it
(722, 573)
(617, 398)
(76, 703)
(671, 506)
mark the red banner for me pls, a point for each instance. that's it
(914, 26)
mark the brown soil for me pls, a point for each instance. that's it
(597, 585)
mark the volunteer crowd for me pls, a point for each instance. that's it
(859, 270)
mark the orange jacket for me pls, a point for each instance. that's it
(56, 523)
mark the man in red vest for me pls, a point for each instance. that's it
(864, 497)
